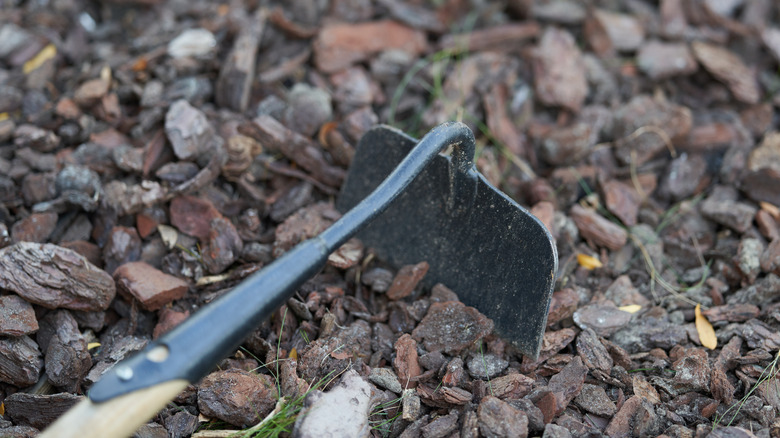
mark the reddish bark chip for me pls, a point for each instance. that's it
(340, 45)
(406, 280)
(150, 286)
(559, 71)
(237, 397)
(34, 228)
(405, 363)
(193, 216)
(168, 319)
(597, 229)
(17, 317)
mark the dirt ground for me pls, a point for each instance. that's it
(153, 154)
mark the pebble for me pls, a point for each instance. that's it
(189, 131)
(604, 318)
(192, 42)
(308, 108)
(385, 378)
(20, 361)
(379, 279)
(649, 332)
(123, 246)
(554, 431)
(52, 276)
(237, 397)
(91, 91)
(342, 411)
(660, 60)
(486, 366)
(150, 286)
(451, 326)
(12, 37)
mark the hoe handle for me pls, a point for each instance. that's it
(130, 393)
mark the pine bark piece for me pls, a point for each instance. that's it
(559, 70)
(67, 358)
(406, 280)
(150, 286)
(17, 316)
(238, 71)
(38, 410)
(237, 397)
(506, 36)
(20, 361)
(275, 136)
(728, 68)
(54, 277)
(597, 229)
(405, 363)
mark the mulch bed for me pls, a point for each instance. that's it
(153, 154)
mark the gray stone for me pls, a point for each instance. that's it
(342, 411)
(486, 366)
(385, 378)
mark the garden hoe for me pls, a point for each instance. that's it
(405, 199)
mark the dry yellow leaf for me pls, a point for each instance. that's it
(2, 408)
(631, 308)
(588, 262)
(293, 354)
(3, 116)
(92, 345)
(706, 332)
(44, 55)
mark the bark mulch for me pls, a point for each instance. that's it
(155, 153)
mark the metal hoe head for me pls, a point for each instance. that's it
(480, 243)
